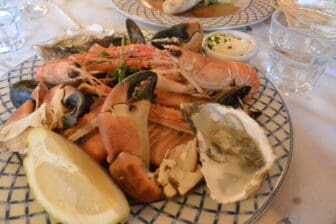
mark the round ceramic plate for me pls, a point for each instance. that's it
(253, 11)
(17, 203)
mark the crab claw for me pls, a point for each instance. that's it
(123, 118)
(123, 127)
(132, 175)
(187, 35)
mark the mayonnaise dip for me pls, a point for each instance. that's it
(230, 45)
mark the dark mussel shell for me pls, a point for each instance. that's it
(234, 96)
(77, 104)
(119, 39)
(188, 35)
(21, 91)
(134, 33)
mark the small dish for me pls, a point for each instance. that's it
(230, 45)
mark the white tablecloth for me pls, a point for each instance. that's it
(308, 195)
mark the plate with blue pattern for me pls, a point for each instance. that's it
(18, 206)
(250, 12)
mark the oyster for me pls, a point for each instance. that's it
(67, 45)
(234, 150)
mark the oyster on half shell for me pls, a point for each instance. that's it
(234, 150)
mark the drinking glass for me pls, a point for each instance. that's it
(11, 37)
(303, 43)
(33, 9)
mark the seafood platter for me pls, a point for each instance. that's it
(139, 128)
(212, 14)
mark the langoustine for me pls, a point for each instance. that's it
(68, 71)
(179, 70)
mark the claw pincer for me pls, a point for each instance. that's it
(123, 127)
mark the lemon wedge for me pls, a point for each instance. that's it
(68, 184)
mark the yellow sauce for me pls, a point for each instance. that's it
(203, 12)
(211, 11)
(230, 45)
(153, 4)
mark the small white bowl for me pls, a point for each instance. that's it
(250, 53)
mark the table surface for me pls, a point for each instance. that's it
(308, 194)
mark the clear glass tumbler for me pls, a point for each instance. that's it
(11, 37)
(303, 43)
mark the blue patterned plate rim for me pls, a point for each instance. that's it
(284, 173)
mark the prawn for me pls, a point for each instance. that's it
(188, 72)
(64, 71)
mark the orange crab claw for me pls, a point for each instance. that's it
(123, 136)
(132, 175)
(123, 127)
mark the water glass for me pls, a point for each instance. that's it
(11, 37)
(303, 43)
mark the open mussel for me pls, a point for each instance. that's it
(76, 102)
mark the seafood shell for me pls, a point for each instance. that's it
(187, 35)
(234, 151)
(134, 32)
(68, 45)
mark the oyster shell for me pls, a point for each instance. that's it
(68, 45)
(234, 150)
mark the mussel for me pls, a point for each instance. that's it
(21, 91)
(134, 33)
(234, 97)
(75, 101)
